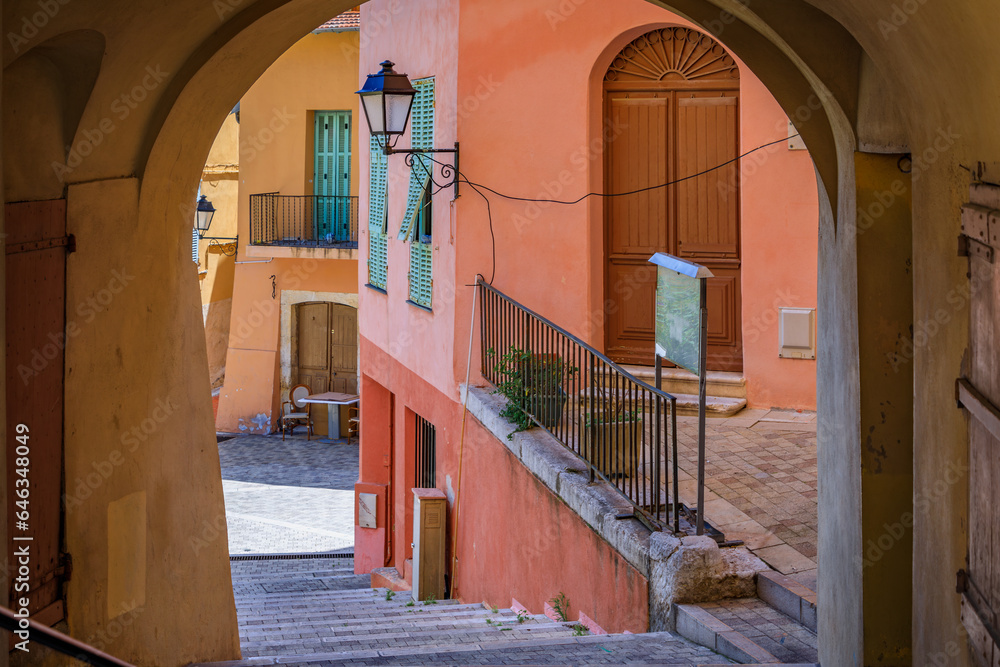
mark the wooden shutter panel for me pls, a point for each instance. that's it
(377, 239)
(421, 282)
(421, 137)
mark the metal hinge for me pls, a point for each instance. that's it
(68, 242)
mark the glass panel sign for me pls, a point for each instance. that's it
(678, 310)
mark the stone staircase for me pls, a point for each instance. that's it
(777, 626)
(315, 611)
(726, 393)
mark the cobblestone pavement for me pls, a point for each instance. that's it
(295, 496)
(761, 483)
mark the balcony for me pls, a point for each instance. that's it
(303, 222)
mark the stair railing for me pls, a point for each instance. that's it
(57, 641)
(619, 426)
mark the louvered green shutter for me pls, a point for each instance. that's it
(377, 238)
(333, 174)
(421, 283)
(421, 136)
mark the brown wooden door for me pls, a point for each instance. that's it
(35, 313)
(328, 347)
(314, 346)
(672, 103)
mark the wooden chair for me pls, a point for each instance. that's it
(295, 412)
(353, 422)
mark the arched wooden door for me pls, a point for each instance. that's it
(672, 106)
(327, 347)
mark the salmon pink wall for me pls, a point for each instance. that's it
(515, 538)
(531, 124)
(518, 540)
(421, 38)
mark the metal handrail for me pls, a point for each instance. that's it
(303, 220)
(57, 641)
(619, 425)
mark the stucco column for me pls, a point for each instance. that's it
(885, 321)
(144, 513)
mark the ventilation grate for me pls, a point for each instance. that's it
(245, 557)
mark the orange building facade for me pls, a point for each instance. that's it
(296, 271)
(540, 124)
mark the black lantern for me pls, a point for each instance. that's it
(386, 99)
(204, 215)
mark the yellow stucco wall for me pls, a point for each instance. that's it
(220, 183)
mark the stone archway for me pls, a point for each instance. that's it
(130, 196)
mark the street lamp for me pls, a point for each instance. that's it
(387, 99)
(203, 220)
(203, 216)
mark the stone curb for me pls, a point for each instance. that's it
(789, 597)
(701, 627)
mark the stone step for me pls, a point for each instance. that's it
(661, 648)
(788, 596)
(679, 381)
(687, 404)
(747, 630)
(444, 635)
(403, 617)
(358, 597)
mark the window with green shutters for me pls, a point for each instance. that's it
(377, 237)
(416, 226)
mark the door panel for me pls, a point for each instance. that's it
(635, 224)
(35, 327)
(314, 346)
(344, 349)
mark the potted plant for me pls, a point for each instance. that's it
(611, 441)
(533, 385)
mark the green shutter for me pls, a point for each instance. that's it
(332, 174)
(421, 137)
(421, 283)
(377, 239)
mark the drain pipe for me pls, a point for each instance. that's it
(461, 445)
(255, 261)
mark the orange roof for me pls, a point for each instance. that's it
(349, 20)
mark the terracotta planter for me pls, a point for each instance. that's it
(613, 447)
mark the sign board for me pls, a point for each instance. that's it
(678, 310)
(366, 509)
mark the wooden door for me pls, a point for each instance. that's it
(36, 247)
(343, 349)
(979, 393)
(672, 105)
(314, 346)
(328, 347)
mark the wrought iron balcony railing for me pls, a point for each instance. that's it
(624, 430)
(303, 221)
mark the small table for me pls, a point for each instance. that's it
(333, 400)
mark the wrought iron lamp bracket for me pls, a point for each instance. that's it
(449, 172)
(227, 245)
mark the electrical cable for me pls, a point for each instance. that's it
(475, 186)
